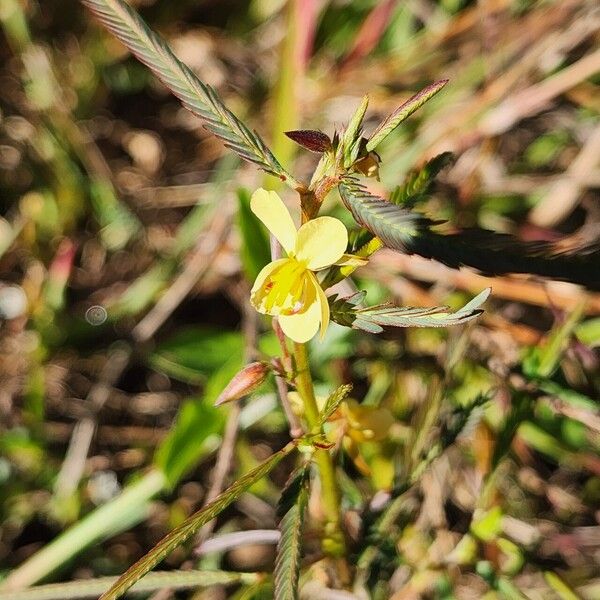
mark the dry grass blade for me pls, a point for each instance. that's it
(199, 98)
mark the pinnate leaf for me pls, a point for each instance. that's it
(395, 226)
(373, 319)
(199, 98)
(333, 401)
(491, 253)
(289, 549)
(403, 112)
(418, 183)
(182, 533)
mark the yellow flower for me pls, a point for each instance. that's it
(288, 288)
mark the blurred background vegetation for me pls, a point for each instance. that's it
(126, 252)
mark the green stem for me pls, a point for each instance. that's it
(333, 542)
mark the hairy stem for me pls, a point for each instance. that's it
(333, 542)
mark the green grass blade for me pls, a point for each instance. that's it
(202, 100)
(255, 252)
(182, 533)
(126, 510)
(92, 588)
(403, 112)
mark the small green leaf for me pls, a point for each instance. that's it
(333, 402)
(195, 353)
(418, 182)
(488, 525)
(403, 112)
(255, 251)
(289, 549)
(588, 332)
(182, 533)
(350, 141)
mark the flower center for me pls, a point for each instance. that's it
(285, 290)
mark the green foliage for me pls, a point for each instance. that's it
(196, 352)
(543, 361)
(255, 251)
(333, 402)
(197, 420)
(118, 224)
(418, 182)
(182, 533)
(292, 506)
(588, 332)
(521, 410)
(196, 96)
(373, 319)
(490, 252)
(153, 582)
(402, 113)
(544, 149)
(351, 138)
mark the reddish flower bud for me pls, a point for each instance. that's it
(244, 382)
(315, 141)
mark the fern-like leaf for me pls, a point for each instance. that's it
(333, 402)
(182, 533)
(403, 112)
(374, 318)
(418, 183)
(289, 549)
(487, 251)
(199, 98)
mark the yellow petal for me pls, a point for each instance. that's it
(321, 242)
(302, 326)
(258, 294)
(324, 306)
(367, 423)
(271, 210)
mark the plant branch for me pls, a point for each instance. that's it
(333, 542)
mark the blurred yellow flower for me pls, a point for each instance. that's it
(288, 288)
(353, 425)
